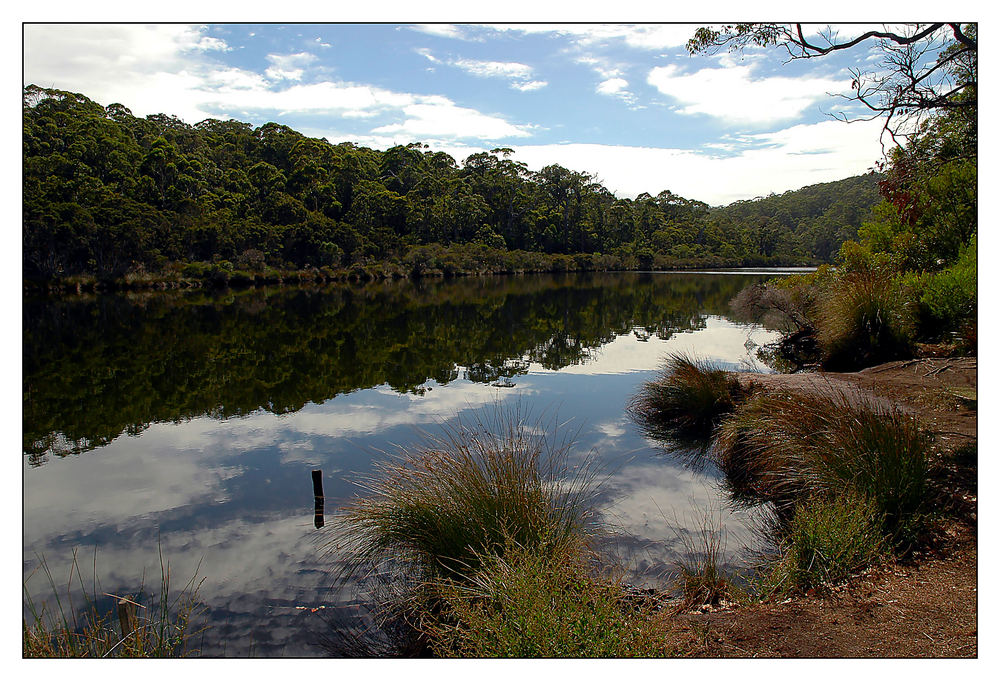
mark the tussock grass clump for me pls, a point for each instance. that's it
(530, 603)
(159, 624)
(701, 578)
(437, 511)
(785, 448)
(686, 399)
(827, 540)
(865, 319)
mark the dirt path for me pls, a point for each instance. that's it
(926, 607)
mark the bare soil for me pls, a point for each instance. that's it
(924, 606)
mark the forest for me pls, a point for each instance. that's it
(112, 197)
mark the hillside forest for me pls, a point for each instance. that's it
(112, 197)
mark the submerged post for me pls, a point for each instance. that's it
(317, 478)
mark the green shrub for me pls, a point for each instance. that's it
(196, 270)
(827, 540)
(530, 603)
(687, 398)
(948, 299)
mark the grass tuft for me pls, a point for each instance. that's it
(686, 399)
(786, 448)
(829, 539)
(438, 510)
(864, 320)
(530, 603)
(701, 579)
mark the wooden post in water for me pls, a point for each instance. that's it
(126, 616)
(317, 478)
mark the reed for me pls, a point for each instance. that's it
(700, 574)
(149, 624)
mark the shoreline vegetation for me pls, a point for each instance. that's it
(432, 261)
(850, 483)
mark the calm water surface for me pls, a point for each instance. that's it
(188, 423)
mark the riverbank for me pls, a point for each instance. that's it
(430, 261)
(922, 606)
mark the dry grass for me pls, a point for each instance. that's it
(158, 624)
(784, 448)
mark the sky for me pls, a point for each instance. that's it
(623, 102)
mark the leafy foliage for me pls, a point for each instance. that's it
(922, 68)
(910, 274)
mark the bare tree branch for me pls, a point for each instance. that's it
(920, 72)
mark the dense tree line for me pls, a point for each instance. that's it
(109, 194)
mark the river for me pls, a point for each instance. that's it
(186, 424)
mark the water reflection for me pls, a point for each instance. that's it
(196, 421)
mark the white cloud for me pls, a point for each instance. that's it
(493, 69)
(750, 165)
(209, 43)
(782, 160)
(440, 30)
(612, 86)
(165, 69)
(446, 119)
(601, 65)
(425, 52)
(151, 64)
(520, 75)
(616, 87)
(530, 85)
(235, 79)
(288, 66)
(733, 95)
(638, 36)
